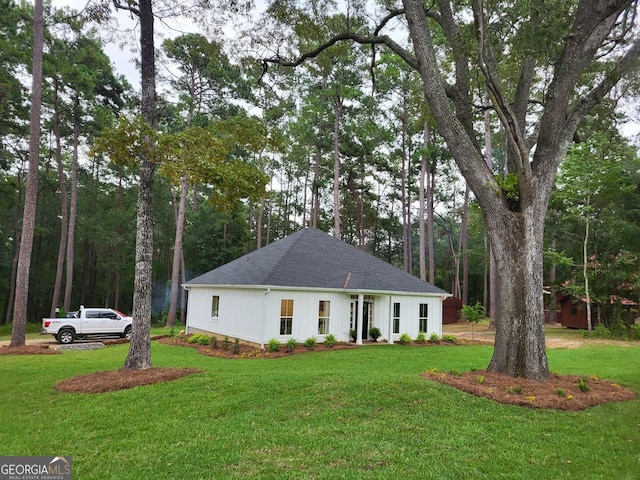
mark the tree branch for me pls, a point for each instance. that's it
(361, 39)
(131, 6)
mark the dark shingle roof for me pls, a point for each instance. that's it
(312, 258)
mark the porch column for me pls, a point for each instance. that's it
(360, 319)
(390, 341)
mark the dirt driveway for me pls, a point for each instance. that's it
(555, 336)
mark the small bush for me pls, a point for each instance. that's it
(582, 385)
(235, 349)
(225, 343)
(330, 340)
(374, 333)
(291, 344)
(273, 345)
(561, 392)
(405, 339)
(213, 341)
(421, 338)
(480, 379)
(434, 338)
(599, 331)
(199, 338)
(449, 338)
(515, 390)
(310, 343)
(353, 334)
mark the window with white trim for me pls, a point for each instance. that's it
(286, 316)
(396, 317)
(324, 313)
(215, 307)
(422, 317)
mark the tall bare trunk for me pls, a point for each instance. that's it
(464, 243)
(315, 187)
(585, 261)
(404, 195)
(64, 221)
(139, 356)
(431, 182)
(177, 252)
(337, 111)
(73, 208)
(422, 204)
(18, 331)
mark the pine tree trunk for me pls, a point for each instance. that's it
(464, 241)
(64, 222)
(422, 204)
(336, 168)
(18, 332)
(177, 253)
(73, 209)
(139, 356)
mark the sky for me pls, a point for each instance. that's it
(125, 38)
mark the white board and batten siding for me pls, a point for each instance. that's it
(254, 314)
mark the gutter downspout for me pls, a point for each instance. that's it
(263, 316)
(390, 341)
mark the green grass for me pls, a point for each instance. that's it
(350, 414)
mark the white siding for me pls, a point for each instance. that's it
(253, 315)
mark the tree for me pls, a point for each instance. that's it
(29, 217)
(579, 39)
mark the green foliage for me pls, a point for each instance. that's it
(405, 339)
(561, 393)
(213, 341)
(273, 345)
(421, 338)
(509, 186)
(235, 348)
(353, 334)
(374, 333)
(473, 314)
(291, 344)
(480, 379)
(514, 390)
(199, 338)
(434, 338)
(310, 343)
(582, 385)
(330, 340)
(225, 343)
(449, 338)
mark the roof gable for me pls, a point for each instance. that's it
(314, 259)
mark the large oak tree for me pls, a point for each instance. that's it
(546, 65)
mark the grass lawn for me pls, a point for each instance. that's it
(351, 414)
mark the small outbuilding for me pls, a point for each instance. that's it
(311, 284)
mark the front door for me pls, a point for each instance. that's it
(355, 312)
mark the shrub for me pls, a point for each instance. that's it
(405, 339)
(199, 338)
(310, 343)
(330, 340)
(374, 333)
(273, 345)
(353, 334)
(291, 344)
(225, 343)
(634, 332)
(213, 341)
(449, 338)
(421, 338)
(480, 379)
(515, 390)
(434, 338)
(561, 392)
(599, 331)
(235, 349)
(582, 385)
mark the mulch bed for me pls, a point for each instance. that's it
(111, 381)
(560, 392)
(29, 350)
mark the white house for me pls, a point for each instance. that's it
(311, 284)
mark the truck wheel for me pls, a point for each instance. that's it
(65, 336)
(127, 333)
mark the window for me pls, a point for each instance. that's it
(422, 318)
(324, 309)
(286, 316)
(396, 317)
(215, 307)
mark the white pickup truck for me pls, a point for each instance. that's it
(87, 322)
